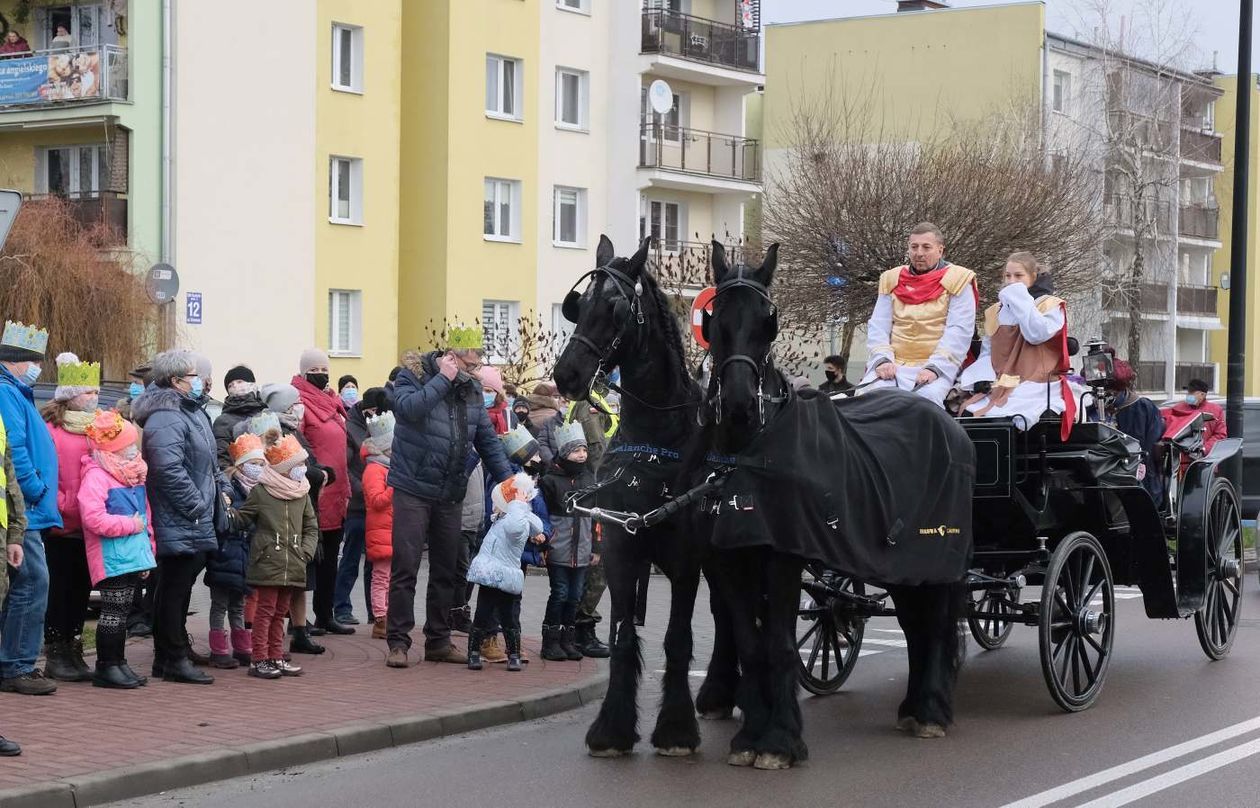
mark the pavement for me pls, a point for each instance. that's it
(87, 746)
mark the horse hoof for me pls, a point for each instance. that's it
(675, 751)
(743, 758)
(929, 731)
(608, 753)
(907, 724)
(767, 761)
(718, 715)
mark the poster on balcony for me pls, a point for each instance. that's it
(60, 77)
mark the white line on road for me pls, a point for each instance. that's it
(1134, 766)
(878, 641)
(1179, 775)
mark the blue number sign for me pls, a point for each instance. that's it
(192, 308)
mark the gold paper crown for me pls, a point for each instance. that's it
(79, 374)
(26, 337)
(461, 339)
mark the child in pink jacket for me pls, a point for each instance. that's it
(118, 536)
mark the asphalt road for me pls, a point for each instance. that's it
(1170, 729)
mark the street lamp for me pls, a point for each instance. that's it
(1236, 373)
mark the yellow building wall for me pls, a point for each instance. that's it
(916, 68)
(1226, 124)
(364, 125)
(17, 151)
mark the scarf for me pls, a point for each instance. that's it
(244, 482)
(76, 422)
(128, 472)
(379, 459)
(913, 288)
(322, 404)
(281, 487)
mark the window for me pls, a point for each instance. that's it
(572, 92)
(345, 322)
(1062, 91)
(498, 329)
(502, 210)
(347, 58)
(345, 190)
(667, 5)
(582, 6)
(72, 170)
(663, 223)
(569, 224)
(562, 328)
(503, 87)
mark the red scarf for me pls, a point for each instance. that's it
(914, 289)
(323, 404)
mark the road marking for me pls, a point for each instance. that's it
(1136, 765)
(1179, 775)
(879, 641)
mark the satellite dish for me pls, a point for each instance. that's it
(660, 97)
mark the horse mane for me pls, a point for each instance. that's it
(669, 325)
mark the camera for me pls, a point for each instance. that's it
(1100, 363)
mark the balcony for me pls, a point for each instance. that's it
(1152, 218)
(689, 263)
(1150, 375)
(1200, 221)
(672, 33)
(694, 151)
(1197, 301)
(1152, 298)
(65, 77)
(1201, 147)
(103, 212)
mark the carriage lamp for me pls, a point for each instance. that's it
(1099, 365)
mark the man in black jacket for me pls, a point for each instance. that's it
(441, 416)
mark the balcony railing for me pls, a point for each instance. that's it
(1183, 372)
(690, 263)
(1152, 298)
(694, 151)
(1130, 214)
(1200, 300)
(1202, 147)
(1150, 375)
(64, 76)
(1199, 221)
(102, 212)
(676, 34)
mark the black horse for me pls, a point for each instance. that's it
(760, 579)
(624, 320)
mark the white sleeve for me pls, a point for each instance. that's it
(1035, 327)
(960, 327)
(981, 370)
(879, 333)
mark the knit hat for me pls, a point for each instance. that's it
(491, 378)
(141, 373)
(280, 397)
(312, 358)
(265, 425)
(506, 491)
(110, 432)
(569, 437)
(240, 373)
(245, 448)
(519, 445)
(75, 378)
(286, 454)
(347, 379)
(375, 398)
(380, 433)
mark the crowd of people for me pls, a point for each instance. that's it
(293, 487)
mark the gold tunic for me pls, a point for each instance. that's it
(917, 329)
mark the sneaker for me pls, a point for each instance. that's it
(346, 618)
(29, 684)
(397, 658)
(286, 668)
(265, 670)
(448, 654)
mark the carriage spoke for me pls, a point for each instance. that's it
(1062, 603)
(1072, 659)
(826, 655)
(1096, 645)
(1086, 666)
(1085, 578)
(812, 631)
(1066, 649)
(1093, 591)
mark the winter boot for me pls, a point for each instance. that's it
(492, 651)
(588, 643)
(58, 666)
(474, 649)
(567, 643)
(552, 650)
(461, 620)
(221, 651)
(378, 629)
(76, 659)
(242, 645)
(303, 644)
(111, 675)
(513, 639)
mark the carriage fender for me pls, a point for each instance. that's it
(1192, 524)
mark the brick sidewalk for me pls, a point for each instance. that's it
(82, 730)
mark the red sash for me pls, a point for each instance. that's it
(913, 289)
(1065, 364)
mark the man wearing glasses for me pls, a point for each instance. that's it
(440, 420)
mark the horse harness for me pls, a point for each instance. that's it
(759, 368)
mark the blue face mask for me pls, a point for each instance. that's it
(197, 387)
(488, 398)
(135, 389)
(32, 373)
(350, 396)
(1192, 400)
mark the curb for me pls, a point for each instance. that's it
(353, 739)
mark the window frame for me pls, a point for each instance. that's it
(513, 311)
(579, 217)
(1061, 91)
(583, 77)
(355, 197)
(354, 302)
(513, 235)
(356, 59)
(100, 169)
(518, 88)
(583, 7)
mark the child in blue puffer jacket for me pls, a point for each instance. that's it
(497, 567)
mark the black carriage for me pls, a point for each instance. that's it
(1071, 518)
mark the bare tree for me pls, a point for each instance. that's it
(525, 355)
(844, 197)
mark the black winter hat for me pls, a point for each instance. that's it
(347, 379)
(240, 373)
(376, 398)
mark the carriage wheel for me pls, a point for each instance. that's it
(1077, 622)
(828, 635)
(1217, 622)
(989, 619)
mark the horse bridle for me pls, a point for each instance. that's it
(759, 368)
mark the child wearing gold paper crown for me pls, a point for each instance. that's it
(285, 537)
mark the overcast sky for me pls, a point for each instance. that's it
(1216, 20)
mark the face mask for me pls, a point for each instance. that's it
(533, 468)
(298, 411)
(1193, 401)
(350, 396)
(32, 373)
(130, 453)
(135, 389)
(252, 471)
(830, 374)
(298, 474)
(319, 380)
(488, 398)
(197, 387)
(241, 389)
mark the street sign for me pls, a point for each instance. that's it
(192, 308)
(161, 283)
(702, 303)
(836, 281)
(10, 204)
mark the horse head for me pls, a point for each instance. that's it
(607, 317)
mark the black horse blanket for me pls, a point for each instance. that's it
(878, 487)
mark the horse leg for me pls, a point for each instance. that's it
(909, 607)
(781, 745)
(716, 699)
(677, 732)
(738, 575)
(942, 658)
(615, 730)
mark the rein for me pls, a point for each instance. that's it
(758, 368)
